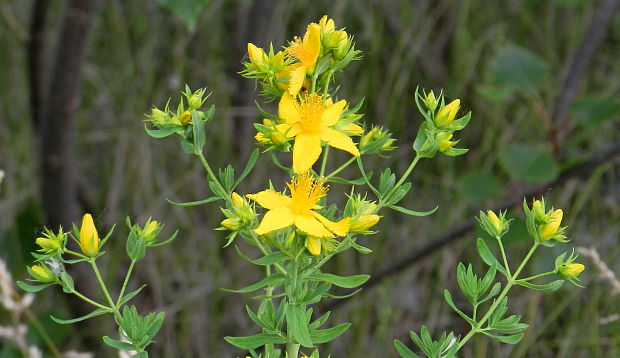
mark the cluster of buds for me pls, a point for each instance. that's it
(362, 213)
(437, 131)
(270, 136)
(544, 225)
(239, 214)
(322, 51)
(50, 244)
(187, 122)
(494, 225)
(376, 140)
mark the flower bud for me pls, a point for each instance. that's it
(430, 101)
(89, 238)
(185, 117)
(570, 270)
(238, 201)
(232, 224)
(376, 140)
(493, 224)
(364, 222)
(150, 231)
(326, 24)
(257, 57)
(443, 141)
(41, 273)
(158, 117)
(551, 228)
(313, 244)
(447, 113)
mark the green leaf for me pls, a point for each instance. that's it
(270, 280)
(248, 167)
(480, 186)
(186, 10)
(199, 132)
(33, 288)
(136, 246)
(195, 203)
(549, 287)
(256, 341)
(531, 163)
(411, 212)
(487, 256)
(448, 297)
(512, 339)
(359, 181)
(161, 133)
(67, 282)
(320, 336)
(593, 111)
(298, 324)
(518, 68)
(269, 259)
(114, 343)
(129, 296)
(403, 350)
(95, 313)
(340, 281)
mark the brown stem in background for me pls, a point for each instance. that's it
(59, 187)
(36, 56)
(458, 231)
(577, 65)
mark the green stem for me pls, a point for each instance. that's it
(94, 303)
(214, 179)
(400, 182)
(104, 288)
(324, 161)
(501, 248)
(537, 276)
(341, 168)
(266, 252)
(292, 350)
(42, 332)
(120, 295)
(71, 252)
(496, 302)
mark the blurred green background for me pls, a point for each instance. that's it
(506, 60)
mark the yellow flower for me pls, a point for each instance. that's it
(306, 51)
(41, 273)
(446, 114)
(311, 122)
(570, 270)
(298, 209)
(548, 230)
(89, 238)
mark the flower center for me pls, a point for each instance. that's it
(310, 110)
(305, 193)
(298, 51)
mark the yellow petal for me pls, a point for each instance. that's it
(270, 199)
(306, 152)
(313, 244)
(312, 43)
(255, 53)
(339, 140)
(275, 219)
(288, 129)
(332, 113)
(288, 109)
(352, 128)
(311, 226)
(298, 76)
(340, 228)
(89, 238)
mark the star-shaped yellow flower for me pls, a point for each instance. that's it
(298, 209)
(311, 122)
(307, 52)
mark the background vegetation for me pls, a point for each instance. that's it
(509, 61)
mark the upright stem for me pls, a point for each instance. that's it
(386, 198)
(341, 168)
(324, 161)
(501, 248)
(120, 295)
(496, 302)
(214, 179)
(104, 288)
